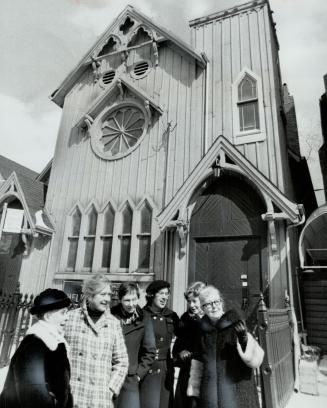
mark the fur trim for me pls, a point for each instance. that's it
(194, 382)
(48, 334)
(253, 354)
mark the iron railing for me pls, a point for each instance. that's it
(277, 370)
(15, 319)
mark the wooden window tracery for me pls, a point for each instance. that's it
(107, 236)
(145, 237)
(89, 238)
(248, 104)
(126, 237)
(73, 239)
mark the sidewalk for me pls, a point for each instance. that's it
(300, 400)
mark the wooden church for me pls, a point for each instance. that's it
(173, 161)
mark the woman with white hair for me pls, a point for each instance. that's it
(222, 370)
(99, 360)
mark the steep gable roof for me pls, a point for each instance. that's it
(7, 166)
(161, 34)
(204, 168)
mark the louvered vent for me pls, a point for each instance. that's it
(141, 68)
(108, 77)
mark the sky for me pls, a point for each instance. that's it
(41, 41)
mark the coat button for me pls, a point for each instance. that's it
(161, 339)
(92, 382)
(161, 318)
(158, 371)
(150, 371)
(80, 353)
(78, 378)
(154, 317)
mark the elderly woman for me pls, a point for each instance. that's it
(226, 357)
(140, 343)
(157, 386)
(99, 360)
(185, 344)
(39, 371)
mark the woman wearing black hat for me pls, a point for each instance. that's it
(156, 390)
(222, 370)
(39, 371)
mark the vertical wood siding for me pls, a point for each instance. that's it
(239, 41)
(156, 168)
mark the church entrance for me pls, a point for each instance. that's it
(228, 244)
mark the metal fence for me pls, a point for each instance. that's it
(277, 370)
(15, 319)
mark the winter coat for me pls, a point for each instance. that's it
(188, 333)
(227, 379)
(99, 360)
(141, 347)
(156, 389)
(39, 371)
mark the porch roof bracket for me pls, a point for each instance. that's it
(182, 227)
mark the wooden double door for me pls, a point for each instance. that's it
(228, 243)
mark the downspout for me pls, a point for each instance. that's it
(205, 106)
(296, 340)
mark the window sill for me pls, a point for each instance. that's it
(114, 276)
(250, 136)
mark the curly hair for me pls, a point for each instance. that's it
(194, 289)
(94, 285)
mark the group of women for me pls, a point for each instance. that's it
(126, 357)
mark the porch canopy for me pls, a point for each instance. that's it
(313, 240)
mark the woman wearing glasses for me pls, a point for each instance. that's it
(156, 389)
(222, 371)
(186, 342)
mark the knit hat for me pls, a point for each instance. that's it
(156, 285)
(50, 299)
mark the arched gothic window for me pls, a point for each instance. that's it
(248, 104)
(73, 239)
(89, 238)
(145, 237)
(106, 237)
(126, 237)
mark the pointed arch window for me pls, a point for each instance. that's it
(248, 104)
(89, 238)
(73, 239)
(106, 237)
(126, 237)
(145, 237)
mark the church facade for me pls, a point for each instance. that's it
(172, 161)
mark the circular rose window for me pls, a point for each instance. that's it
(119, 131)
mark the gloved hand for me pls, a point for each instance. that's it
(185, 355)
(241, 333)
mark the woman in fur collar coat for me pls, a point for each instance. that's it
(222, 372)
(39, 371)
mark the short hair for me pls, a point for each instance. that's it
(128, 287)
(94, 285)
(194, 289)
(207, 291)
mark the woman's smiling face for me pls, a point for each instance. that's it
(161, 298)
(101, 300)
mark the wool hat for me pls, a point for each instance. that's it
(156, 285)
(50, 299)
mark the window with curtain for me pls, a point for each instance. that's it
(73, 239)
(89, 238)
(106, 237)
(248, 104)
(145, 237)
(126, 237)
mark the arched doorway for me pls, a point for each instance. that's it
(228, 243)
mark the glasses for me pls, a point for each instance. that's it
(210, 305)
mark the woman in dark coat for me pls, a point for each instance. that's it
(222, 372)
(139, 340)
(39, 371)
(186, 342)
(157, 387)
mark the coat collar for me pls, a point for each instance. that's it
(48, 333)
(164, 312)
(102, 322)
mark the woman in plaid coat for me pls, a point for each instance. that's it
(99, 360)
